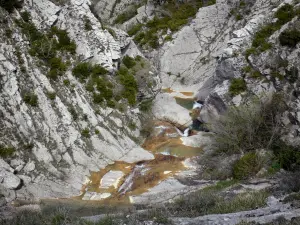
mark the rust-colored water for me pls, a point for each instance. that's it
(190, 94)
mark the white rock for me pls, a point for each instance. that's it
(30, 166)
(112, 178)
(9, 180)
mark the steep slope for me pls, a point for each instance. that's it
(58, 139)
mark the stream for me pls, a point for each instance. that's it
(116, 184)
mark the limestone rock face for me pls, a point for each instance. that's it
(55, 157)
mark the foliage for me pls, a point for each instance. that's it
(51, 95)
(87, 24)
(123, 17)
(146, 105)
(284, 14)
(287, 156)
(247, 166)
(249, 127)
(176, 15)
(30, 99)
(211, 201)
(57, 68)
(134, 29)
(237, 86)
(9, 5)
(130, 85)
(73, 112)
(85, 133)
(128, 61)
(85, 69)
(6, 151)
(290, 38)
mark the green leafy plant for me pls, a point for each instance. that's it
(85, 133)
(6, 151)
(31, 99)
(237, 86)
(290, 38)
(247, 166)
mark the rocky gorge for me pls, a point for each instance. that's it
(96, 96)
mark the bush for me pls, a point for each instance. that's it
(82, 70)
(237, 86)
(85, 133)
(9, 5)
(247, 166)
(134, 29)
(57, 68)
(287, 156)
(128, 61)
(146, 106)
(25, 16)
(285, 14)
(130, 85)
(289, 38)
(73, 112)
(64, 41)
(6, 151)
(30, 99)
(51, 95)
(87, 24)
(249, 127)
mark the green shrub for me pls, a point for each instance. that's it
(57, 68)
(43, 48)
(247, 69)
(85, 133)
(51, 95)
(25, 16)
(66, 82)
(6, 151)
(237, 86)
(98, 70)
(135, 29)
(168, 38)
(241, 202)
(64, 41)
(247, 166)
(285, 14)
(128, 61)
(287, 156)
(122, 18)
(255, 74)
(97, 131)
(8, 33)
(82, 70)
(130, 85)
(290, 38)
(250, 51)
(87, 24)
(9, 5)
(73, 112)
(146, 106)
(249, 127)
(30, 99)
(238, 17)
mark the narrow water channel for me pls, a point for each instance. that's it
(115, 184)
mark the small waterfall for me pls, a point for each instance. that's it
(127, 185)
(185, 133)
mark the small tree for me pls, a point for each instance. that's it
(249, 127)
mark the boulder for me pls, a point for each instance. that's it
(9, 180)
